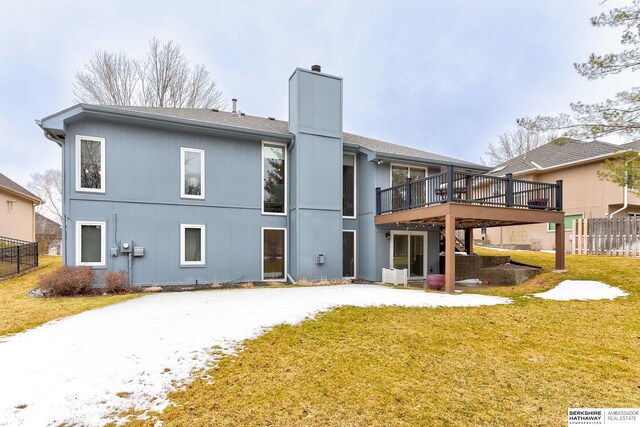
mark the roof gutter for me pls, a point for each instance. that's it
(102, 110)
(384, 156)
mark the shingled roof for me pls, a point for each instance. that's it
(557, 153)
(14, 187)
(264, 124)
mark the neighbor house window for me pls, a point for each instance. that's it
(90, 170)
(349, 185)
(568, 222)
(90, 243)
(349, 254)
(274, 178)
(274, 253)
(192, 244)
(191, 173)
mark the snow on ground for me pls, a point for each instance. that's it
(582, 290)
(72, 370)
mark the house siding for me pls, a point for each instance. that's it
(17, 217)
(141, 202)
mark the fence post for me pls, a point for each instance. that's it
(407, 193)
(559, 194)
(35, 247)
(509, 191)
(378, 201)
(450, 183)
(18, 258)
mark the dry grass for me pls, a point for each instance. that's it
(518, 364)
(19, 312)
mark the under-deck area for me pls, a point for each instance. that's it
(473, 201)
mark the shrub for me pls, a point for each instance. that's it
(116, 282)
(67, 281)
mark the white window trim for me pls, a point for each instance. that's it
(203, 246)
(103, 243)
(566, 229)
(202, 173)
(355, 186)
(391, 166)
(425, 260)
(286, 178)
(355, 254)
(286, 252)
(103, 166)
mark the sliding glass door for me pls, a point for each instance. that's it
(408, 251)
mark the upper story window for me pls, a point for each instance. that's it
(399, 175)
(274, 178)
(90, 243)
(191, 173)
(90, 169)
(349, 185)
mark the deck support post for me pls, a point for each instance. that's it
(449, 253)
(468, 240)
(560, 266)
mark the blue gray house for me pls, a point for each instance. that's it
(180, 196)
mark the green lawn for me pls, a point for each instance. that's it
(518, 364)
(19, 312)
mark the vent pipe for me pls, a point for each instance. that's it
(235, 103)
(315, 68)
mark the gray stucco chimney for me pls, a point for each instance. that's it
(315, 208)
(234, 102)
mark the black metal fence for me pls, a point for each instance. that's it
(470, 188)
(17, 256)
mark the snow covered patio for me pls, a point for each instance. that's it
(84, 368)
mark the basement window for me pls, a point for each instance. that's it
(90, 243)
(192, 245)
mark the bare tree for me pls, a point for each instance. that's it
(163, 78)
(512, 144)
(48, 186)
(110, 78)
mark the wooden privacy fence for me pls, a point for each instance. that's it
(606, 236)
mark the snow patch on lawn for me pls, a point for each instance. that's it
(84, 368)
(582, 290)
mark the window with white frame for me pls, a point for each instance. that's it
(192, 245)
(274, 253)
(349, 185)
(191, 173)
(348, 254)
(90, 243)
(90, 167)
(274, 178)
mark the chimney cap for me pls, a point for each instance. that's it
(315, 68)
(234, 99)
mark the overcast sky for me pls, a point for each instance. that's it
(442, 76)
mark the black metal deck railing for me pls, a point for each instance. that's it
(17, 256)
(453, 186)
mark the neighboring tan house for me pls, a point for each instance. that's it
(17, 211)
(48, 235)
(585, 195)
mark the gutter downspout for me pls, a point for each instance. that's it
(625, 202)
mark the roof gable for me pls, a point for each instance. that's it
(558, 153)
(16, 188)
